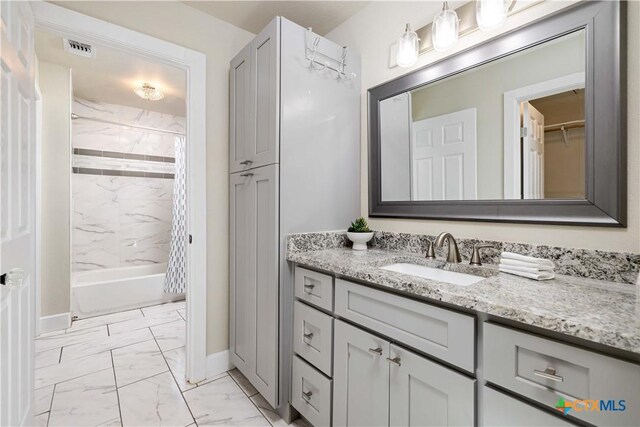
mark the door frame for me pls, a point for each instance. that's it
(64, 22)
(512, 100)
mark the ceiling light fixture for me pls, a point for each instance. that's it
(147, 91)
(408, 45)
(491, 14)
(444, 30)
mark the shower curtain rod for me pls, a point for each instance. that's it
(74, 116)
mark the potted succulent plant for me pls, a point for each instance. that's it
(359, 233)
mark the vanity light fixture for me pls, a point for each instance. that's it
(444, 30)
(408, 45)
(148, 91)
(491, 14)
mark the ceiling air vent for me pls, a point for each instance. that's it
(78, 48)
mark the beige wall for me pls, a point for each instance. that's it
(376, 27)
(220, 41)
(55, 85)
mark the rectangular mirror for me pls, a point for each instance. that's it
(517, 129)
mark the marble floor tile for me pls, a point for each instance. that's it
(243, 382)
(155, 401)
(104, 320)
(105, 344)
(269, 413)
(170, 306)
(177, 361)
(42, 400)
(71, 369)
(63, 340)
(90, 400)
(222, 402)
(170, 335)
(41, 420)
(144, 322)
(138, 361)
(48, 357)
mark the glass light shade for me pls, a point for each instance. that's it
(444, 30)
(490, 14)
(147, 91)
(408, 45)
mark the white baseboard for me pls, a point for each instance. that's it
(218, 363)
(55, 322)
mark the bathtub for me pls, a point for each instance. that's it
(110, 290)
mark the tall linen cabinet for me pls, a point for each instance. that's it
(294, 167)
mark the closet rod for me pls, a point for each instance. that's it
(566, 125)
(74, 116)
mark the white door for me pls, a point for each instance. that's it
(533, 152)
(17, 200)
(395, 147)
(444, 157)
(424, 393)
(361, 378)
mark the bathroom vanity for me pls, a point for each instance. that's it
(374, 346)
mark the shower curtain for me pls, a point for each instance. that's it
(176, 278)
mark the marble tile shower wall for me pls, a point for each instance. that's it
(121, 221)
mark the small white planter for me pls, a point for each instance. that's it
(359, 240)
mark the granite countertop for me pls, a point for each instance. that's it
(603, 312)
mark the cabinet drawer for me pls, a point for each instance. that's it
(313, 336)
(547, 371)
(445, 334)
(311, 393)
(314, 288)
(500, 410)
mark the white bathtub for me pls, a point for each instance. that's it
(98, 292)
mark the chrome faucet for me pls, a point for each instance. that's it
(454, 255)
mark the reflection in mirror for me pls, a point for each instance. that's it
(513, 128)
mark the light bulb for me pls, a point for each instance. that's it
(444, 30)
(408, 46)
(490, 14)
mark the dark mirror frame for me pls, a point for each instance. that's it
(604, 23)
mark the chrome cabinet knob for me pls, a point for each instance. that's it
(395, 361)
(377, 351)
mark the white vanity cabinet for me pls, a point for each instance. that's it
(377, 383)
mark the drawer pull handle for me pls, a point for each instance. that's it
(246, 174)
(308, 336)
(246, 162)
(306, 395)
(395, 361)
(549, 373)
(377, 351)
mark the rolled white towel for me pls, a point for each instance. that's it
(528, 273)
(529, 259)
(512, 263)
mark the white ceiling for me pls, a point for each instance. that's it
(253, 16)
(112, 75)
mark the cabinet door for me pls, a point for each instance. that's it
(254, 277)
(241, 261)
(424, 393)
(361, 378)
(263, 229)
(240, 126)
(265, 105)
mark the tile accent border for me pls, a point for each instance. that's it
(620, 267)
(111, 172)
(119, 155)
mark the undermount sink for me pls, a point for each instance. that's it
(440, 275)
